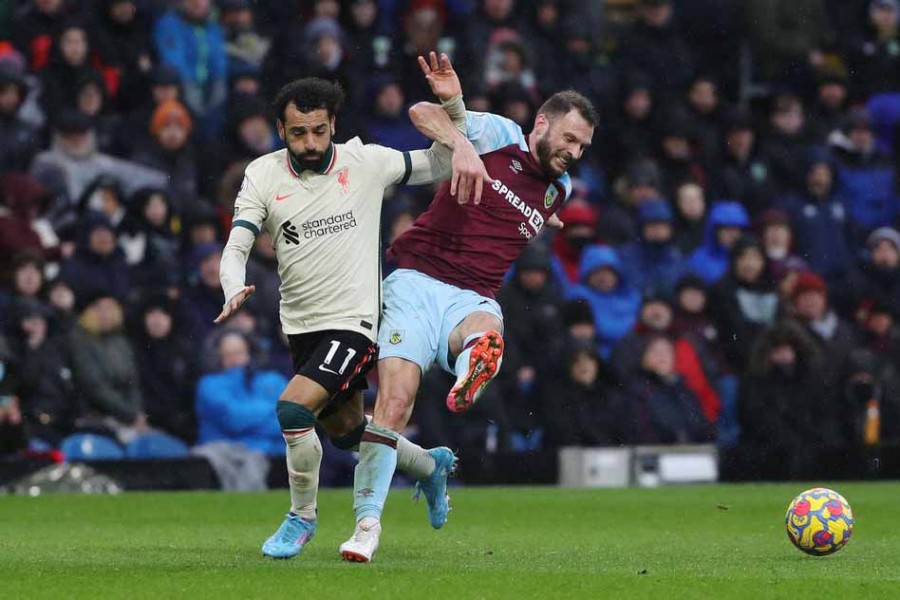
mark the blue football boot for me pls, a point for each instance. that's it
(435, 486)
(290, 538)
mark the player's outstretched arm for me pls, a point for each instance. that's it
(233, 271)
(469, 173)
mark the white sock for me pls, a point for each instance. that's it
(304, 455)
(461, 366)
(413, 459)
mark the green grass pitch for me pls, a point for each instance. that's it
(723, 541)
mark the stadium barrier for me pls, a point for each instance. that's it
(643, 466)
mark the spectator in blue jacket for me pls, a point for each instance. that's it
(865, 176)
(190, 39)
(612, 298)
(388, 125)
(654, 264)
(726, 223)
(236, 402)
(819, 221)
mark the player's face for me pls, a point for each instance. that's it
(562, 141)
(307, 135)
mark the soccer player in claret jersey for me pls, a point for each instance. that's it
(321, 204)
(439, 304)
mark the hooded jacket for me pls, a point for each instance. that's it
(615, 312)
(710, 261)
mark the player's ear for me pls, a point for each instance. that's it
(541, 123)
(332, 123)
(280, 126)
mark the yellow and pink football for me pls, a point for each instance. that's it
(819, 522)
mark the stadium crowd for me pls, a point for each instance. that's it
(729, 270)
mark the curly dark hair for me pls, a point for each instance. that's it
(309, 94)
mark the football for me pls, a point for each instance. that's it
(819, 522)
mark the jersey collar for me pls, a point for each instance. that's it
(323, 168)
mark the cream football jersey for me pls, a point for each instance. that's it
(325, 227)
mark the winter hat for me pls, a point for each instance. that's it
(168, 113)
(73, 121)
(808, 282)
(884, 234)
(165, 74)
(533, 258)
(655, 211)
(690, 281)
(577, 312)
(578, 214)
(772, 216)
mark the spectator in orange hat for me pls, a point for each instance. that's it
(170, 151)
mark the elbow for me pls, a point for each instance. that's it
(418, 112)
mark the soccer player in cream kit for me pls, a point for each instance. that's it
(321, 203)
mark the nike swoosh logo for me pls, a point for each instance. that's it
(280, 198)
(327, 370)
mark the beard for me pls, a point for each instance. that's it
(545, 156)
(309, 159)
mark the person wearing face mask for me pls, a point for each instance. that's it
(777, 238)
(787, 416)
(654, 262)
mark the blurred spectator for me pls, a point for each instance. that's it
(580, 231)
(91, 100)
(777, 238)
(46, 385)
(787, 39)
(745, 172)
(107, 384)
(634, 124)
(690, 216)
(875, 61)
(250, 131)
(164, 84)
(245, 47)
(124, 32)
(578, 322)
(585, 406)
(74, 153)
(676, 156)
(424, 31)
(507, 64)
(104, 195)
(878, 278)
(744, 302)
(654, 263)
(641, 183)
(388, 124)
(786, 145)
(69, 64)
(865, 175)
(26, 283)
(654, 45)
(61, 299)
(615, 303)
(820, 223)
(12, 430)
(497, 20)
(236, 401)
(167, 365)
(787, 417)
(727, 220)
(828, 110)
(704, 110)
(98, 264)
(667, 412)
(170, 152)
(189, 38)
(22, 226)
(33, 28)
(715, 33)
(324, 53)
(149, 242)
(835, 337)
(369, 47)
(18, 137)
(202, 299)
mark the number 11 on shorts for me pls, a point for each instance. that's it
(326, 365)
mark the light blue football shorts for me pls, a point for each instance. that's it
(419, 314)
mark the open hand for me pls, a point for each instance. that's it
(441, 76)
(235, 303)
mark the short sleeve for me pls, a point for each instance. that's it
(391, 166)
(249, 207)
(489, 132)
